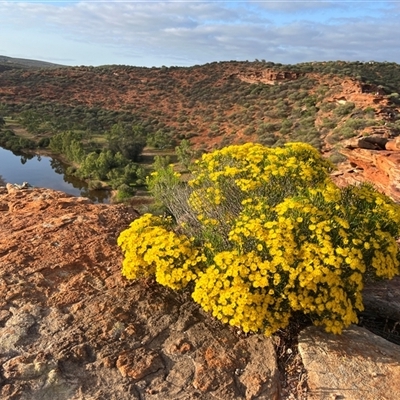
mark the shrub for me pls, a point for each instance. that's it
(262, 233)
(336, 157)
(124, 192)
(44, 142)
(344, 109)
(95, 185)
(160, 251)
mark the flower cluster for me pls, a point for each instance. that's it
(266, 234)
(152, 248)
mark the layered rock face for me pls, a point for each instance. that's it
(268, 76)
(373, 159)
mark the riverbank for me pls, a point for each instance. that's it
(42, 169)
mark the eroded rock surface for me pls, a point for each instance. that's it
(352, 366)
(373, 159)
(72, 328)
(268, 76)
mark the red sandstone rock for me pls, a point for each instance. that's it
(268, 76)
(381, 168)
(393, 145)
(72, 328)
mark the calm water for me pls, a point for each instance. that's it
(46, 172)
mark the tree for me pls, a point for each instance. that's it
(69, 144)
(104, 163)
(126, 139)
(32, 121)
(159, 139)
(184, 153)
(88, 166)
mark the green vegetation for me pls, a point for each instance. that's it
(111, 158)
(67, 111)
(386, 75)
(258, 234)
(9, 140)
(184, 153)
(171, 104)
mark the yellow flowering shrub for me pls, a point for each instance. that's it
(264, 233)
(151, 247)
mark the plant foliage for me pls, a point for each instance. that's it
(260, 233)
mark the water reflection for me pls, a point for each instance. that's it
(58, 166)
(43, 171)
(98, 196)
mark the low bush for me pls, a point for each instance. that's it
(124, 193)
(95, 185)
(258, 234)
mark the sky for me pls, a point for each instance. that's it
(186, 33)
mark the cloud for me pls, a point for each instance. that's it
(193, 32)
(291, 6)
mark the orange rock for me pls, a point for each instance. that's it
(379, 167)
(393, 145)
(62, 296)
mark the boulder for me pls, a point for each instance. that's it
(355, 365)
(372, 142)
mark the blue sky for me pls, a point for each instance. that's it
(184, 33)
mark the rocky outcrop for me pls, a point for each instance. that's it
(268, 76)
(72, 328)
(382, 309)
(373, 159)
(361, 94)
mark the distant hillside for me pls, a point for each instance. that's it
(211, 105)
(7, 63)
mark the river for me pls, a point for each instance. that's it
(46, 172)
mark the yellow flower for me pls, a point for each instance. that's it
(266, 233)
